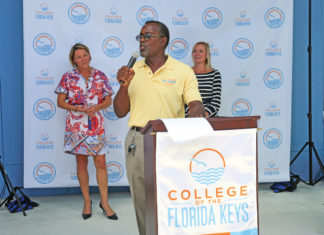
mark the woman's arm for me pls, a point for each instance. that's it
(213, 106)
(61, 97)
(95, 108)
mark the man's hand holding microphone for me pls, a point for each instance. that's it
(125, 74)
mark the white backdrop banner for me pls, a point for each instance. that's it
(215, 190)
(251, 45)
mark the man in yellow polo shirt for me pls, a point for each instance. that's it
(157, 87)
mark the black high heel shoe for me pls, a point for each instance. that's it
(87, 216)
(112, 217)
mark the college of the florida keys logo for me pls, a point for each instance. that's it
(44, 109)
(273, 78)
(44, 78)
(272, 169)
(114, 142)
(212, 17)
(272, 138)
(44, 173)
(115, 171)
(44, 6)
(273, 49)
(112, 46)
(146, 13)
(207, 166)
(241, 107)
(242, 48)
(243, 80)
(44, 143)
(213, 49)
(44, 44)
(180, 19)
(273, 110)
(113, 17)
(274, 17)
(44, 13)
(79, 13)
(178, 48)
(112, 77)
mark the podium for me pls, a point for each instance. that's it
(156, 126)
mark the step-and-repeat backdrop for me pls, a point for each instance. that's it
(251, 45)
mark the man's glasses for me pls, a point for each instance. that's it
(147, 36)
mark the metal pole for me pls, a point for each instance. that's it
(310, 126)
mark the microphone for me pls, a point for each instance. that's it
(131, 62)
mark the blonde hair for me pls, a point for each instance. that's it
(208, 58)
(75, 47)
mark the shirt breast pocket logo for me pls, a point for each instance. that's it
(169, 81)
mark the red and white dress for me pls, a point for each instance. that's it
(79, 138)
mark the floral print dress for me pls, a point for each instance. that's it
(84, 135)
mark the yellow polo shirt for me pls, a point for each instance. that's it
(162, 94)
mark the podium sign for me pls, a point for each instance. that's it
(207, 185)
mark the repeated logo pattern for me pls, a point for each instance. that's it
(112, 46)
(44, 173)
(274, 17)
(241, 107)
(212, 17)
(79, 13)
(178, 48)
(44, 44)
(146, 13)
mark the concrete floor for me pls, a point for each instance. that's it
(298, 213)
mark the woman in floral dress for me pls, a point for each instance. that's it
(83, 92)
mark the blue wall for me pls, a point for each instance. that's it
(11, 75)
(300, 106)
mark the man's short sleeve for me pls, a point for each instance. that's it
(190, 91)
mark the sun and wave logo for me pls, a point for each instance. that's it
(79, 13)
(242, 48)
(212, 17)
(44, 44)
(44, 172)
(112, 46)
(274, 17)
(115, 171)
(178, 48)
(273, 78)
(110, 114)
(207, 166)
(272, 138)
(241, 107)
(44, 109)
(146, 13)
